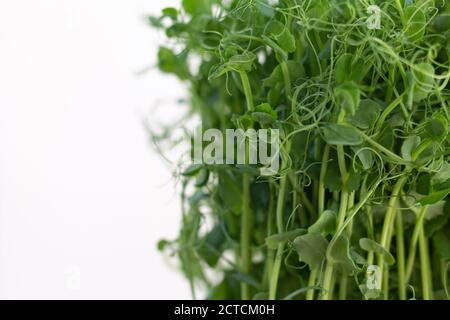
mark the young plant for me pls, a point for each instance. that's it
(359, 208)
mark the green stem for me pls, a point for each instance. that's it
(311, 283)
(246, 254)
(247, 90)
(394, 158)
(323, 172)
(400, 258)
(343, 287)
(329, 270)
(444, 276)
(427, 289)
(385, 283)
(320, 209)
(270, 252)
(413, 244)
(344, 277)
(287, 80)
(386, 112)
(280, 249)
(328, 279)
(389, 223)
(400, 10)
(246, 236)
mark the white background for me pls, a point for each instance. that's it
(83, 198)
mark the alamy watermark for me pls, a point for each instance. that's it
(257, 148)
(373, 275)
(374, 20)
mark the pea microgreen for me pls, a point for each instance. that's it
(360, 208)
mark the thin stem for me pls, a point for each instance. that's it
(389, 222)
(343, 287)
(394, 158)
(413, 245)
(246, 254)
(323, 172)
(444, 276)
(247, 90)
(270, 252)
(287, 80)
(328, 279)
(385, 283)
(344, 277)
(245, 236)
(280, 249)
(329, 270)
(320, 209)
(387, 111)
(427, 290)
(400, 258)
(311, 283)
(400, 10)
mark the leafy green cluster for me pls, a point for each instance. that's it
(364, 119)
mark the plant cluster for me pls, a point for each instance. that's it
(360, 208)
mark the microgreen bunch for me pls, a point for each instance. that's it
(359, 209)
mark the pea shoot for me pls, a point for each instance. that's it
(359, 208)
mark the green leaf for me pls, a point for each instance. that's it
(349, 68)
(365, 156)
(370, 294)
(434, 197)
(436, 128)
(353, 181)
(348, 96)
(202, 178)
(409, 146)
(326, 223)
(211, 246)
(230, 191)
(333, 180)
(155, 22)
(170, 13)
(357, 257)
(196, 7)
(423, 80)
(386, 137)
(441, 23)
(438, 219)
(296, 71)
(192, 170)
(264, 114)
(162, 244)
(441, 242)
(240, 62)
(366, 115)
(341, 134)
(273, 241)
(415, 23)
(423, 184)
(370, 245)
(340, 255)
(428, 153)
(168, 62)
(278, 32)
(442, 175)
(311, 249)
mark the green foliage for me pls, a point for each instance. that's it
(364, 120)
(341, 134)
(311, 249)
(372, 246)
